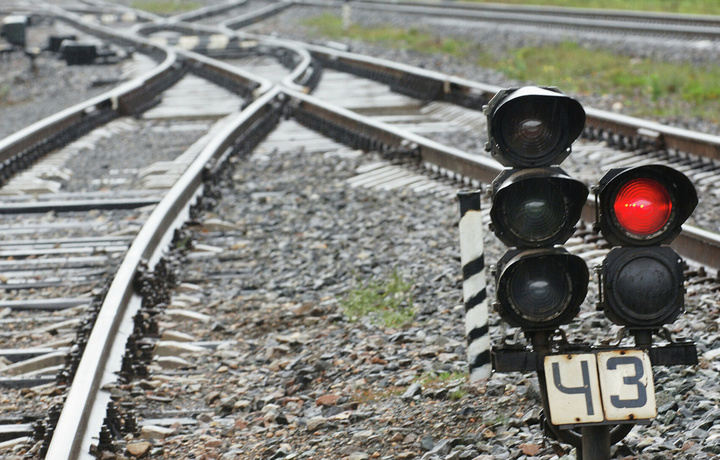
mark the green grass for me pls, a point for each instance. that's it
(330, 26)
(440, 377)
(669, 6)
(390, 301)
(4, 94)
(165, 6)
(672, 88)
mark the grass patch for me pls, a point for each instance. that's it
(673, 89)
(441, 379)
(165, 6)
(4, 94)
(390, 301)
(669, 6)
(365, 396)
(330, 26)
(434, 378)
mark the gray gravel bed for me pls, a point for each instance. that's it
(296, 377)
(31, 93)
(114, 162)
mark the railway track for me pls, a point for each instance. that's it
(174, 308)
(617, 21)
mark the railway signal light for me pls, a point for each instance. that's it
(645, 205)
(533, 126)
(540, 286)
(639, 210)
(535, 206)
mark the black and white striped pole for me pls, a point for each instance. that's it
(472, 258)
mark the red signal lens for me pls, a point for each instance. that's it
(643, 206)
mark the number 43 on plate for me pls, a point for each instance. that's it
(604, 387)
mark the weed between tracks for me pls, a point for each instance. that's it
(644, 86)
(389, 301)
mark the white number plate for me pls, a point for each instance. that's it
(608, 386)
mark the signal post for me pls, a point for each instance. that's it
(592, 395)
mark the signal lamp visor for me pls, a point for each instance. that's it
(643, 287)
(533, 126)
(538, 207)
(540, 289)
(644, 206)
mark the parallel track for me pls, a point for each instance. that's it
(604, 20)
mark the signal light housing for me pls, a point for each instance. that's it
(532, 126)
(536, 207)
(645, 205)
(643, 287)
(540, 289)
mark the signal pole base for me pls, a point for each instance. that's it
(595, 443)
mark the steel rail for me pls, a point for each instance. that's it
(298, 77)
(333, 121)
(81, 415)
(694, 243)
(438, 86)
(257, 15)
(561, 10)
(443, 87)
(72, 436)
(604, 13)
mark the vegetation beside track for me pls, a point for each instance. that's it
(165, 6)
(668, 6)
(647, 87)
(388, 301)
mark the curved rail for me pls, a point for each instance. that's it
(37, 139)
(301, 76)
(70, 439)
(81, 417)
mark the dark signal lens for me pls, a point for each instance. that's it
(643, 287)
(536, 212)
(537, 292)
(536, 207)
(643, 206)
(540, 289)
(533, 126)
(531, 130)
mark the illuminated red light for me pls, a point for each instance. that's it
(643, 206)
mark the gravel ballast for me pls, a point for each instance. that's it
(295, 376)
